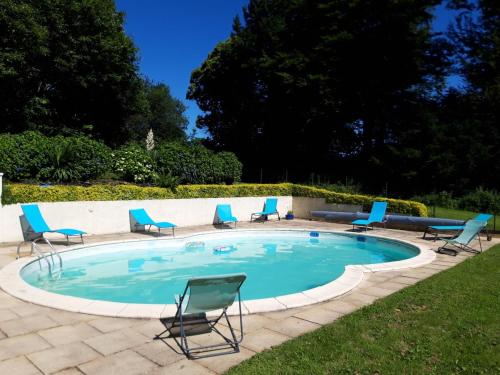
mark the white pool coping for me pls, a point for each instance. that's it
(12, 282)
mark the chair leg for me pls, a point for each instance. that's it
(173, 231)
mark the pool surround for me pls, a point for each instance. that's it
(12, 282)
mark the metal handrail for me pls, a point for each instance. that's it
(40, 254)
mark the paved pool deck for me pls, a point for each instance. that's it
(41, 340)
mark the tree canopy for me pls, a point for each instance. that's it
(67, 66)
(353, 88)
(328, 82)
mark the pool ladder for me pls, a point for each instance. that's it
(35, 249)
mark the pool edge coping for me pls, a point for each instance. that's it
(12, 283)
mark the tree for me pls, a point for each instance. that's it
(67, 66)
(336, 78)
(166, 114)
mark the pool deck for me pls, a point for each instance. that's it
(40, 340)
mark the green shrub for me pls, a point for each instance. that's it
(23, 155)
(23, 193)
(481, 200)
(135, 164)
(31, 155)
(441, 199)
(195, 164)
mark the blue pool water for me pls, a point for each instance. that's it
(276, 263)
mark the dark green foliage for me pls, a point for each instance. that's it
(343, 82)
(7, 197)
(164, 115)
(167, 180)
(193, 163)
(481, 200)
(441, 199)
(30, 156)
(67, 66)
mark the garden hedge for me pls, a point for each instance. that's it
(24, 193)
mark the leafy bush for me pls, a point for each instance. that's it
(195, 164)
(135, 164)
(481, 200)
(23, 193)
(31, 155)
(441, 199)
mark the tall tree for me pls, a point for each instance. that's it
(67, 66)
(332, 77)
(164, 114)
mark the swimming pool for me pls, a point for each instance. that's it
(277, 263)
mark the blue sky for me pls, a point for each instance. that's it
(175, 37)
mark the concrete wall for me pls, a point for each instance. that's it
(103, 217)
(302, 206)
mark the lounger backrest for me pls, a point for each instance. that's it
(378, 211)
(471, 230)
(34, 217)
(483, 217)
(224, 212)
(141, 216)
(271, 204)
(212, 292)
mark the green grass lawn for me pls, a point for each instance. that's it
(447, 324)
(461, 215)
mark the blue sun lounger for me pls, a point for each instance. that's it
(139, 219)
(202, 295)
(34, 225)
(224, 214)
(377, 215)
(472, 228)
(453, 228)
(270, 208)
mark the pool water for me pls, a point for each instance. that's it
(152, 272)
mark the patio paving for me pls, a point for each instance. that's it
(40, 340)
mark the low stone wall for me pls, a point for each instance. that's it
(103, 217)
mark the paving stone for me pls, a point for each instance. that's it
(293, 326)
(67, 317)
(6, 314)
(405, 280)
(283, 314)
(16, 327)
(340, 306)
(223, 363)
(29, 309)
(150, 328)
(69, 371)
(18, 366)
(319, 315)
(113, 342)
(360, 298)
(68, 334)
(63, 357)
(107, 324)
(123, 363)
(183, 367)
(392, 285)
(21, 345)
(263, 339)
(250, 322)
(162, 352)
(377, 291)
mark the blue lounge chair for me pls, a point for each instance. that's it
(377, 215)
(34, 225)
(202, 295)
(472, 228)
(270, 208)
(224, 214)
(139, 219)
(436, 229)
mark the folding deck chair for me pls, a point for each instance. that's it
(202, 295)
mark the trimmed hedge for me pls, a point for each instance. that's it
(24, 193)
